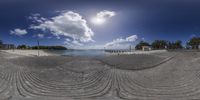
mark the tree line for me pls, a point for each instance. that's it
(193, 43)
(42, 47)
(23, 46)
(1, 43)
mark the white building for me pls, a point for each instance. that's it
(146, 48)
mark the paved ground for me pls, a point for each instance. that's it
(163, 76)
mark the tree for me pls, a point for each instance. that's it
(175, 45)
(140, 44)
(1, 44)
(159, 44)
(22, 46)
(49, 47)
(194, 42)
(178, 44)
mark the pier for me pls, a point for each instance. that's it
(117, 51)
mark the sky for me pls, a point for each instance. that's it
(95, 24)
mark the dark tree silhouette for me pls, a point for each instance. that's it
(1, 43)
(178, 44)
(194, 42)
(50, 47)
(175, 45)
(22, 46)
(139, 45)
(159, 44)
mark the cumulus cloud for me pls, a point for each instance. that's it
(74, 44)
(67, 24)
(122, 42)
(18, 32)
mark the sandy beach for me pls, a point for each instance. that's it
(157, 76)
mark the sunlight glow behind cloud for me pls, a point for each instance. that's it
(102, 16)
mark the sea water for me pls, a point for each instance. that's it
(87, 53)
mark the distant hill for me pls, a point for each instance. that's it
(50, 47)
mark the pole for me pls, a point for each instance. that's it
(38, 47)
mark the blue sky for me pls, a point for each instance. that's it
(97, 24)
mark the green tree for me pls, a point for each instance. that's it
(140, 44)
(1, 44)
(178, 44)
(170, 45)
(194, 42)
(159, 44)
(22, 46)
(175, 45)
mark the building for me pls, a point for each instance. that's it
(146, 48)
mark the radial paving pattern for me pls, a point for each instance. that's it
(59, 78)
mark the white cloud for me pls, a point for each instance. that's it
(18, 32)
(67, 40)
(105, 14)
(102, 16)
(122, 43)
(94, 46)
(36, 18)
(76, 43)
(40, 35)
(132, 38)
(67, 24)
(143, 39)
(73, 44)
